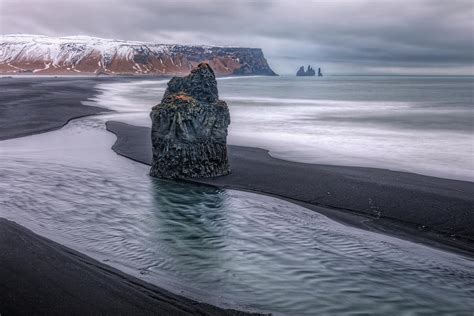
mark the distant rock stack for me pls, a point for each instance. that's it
(310, 72)
(189, 128)
(320, 74)
(301, 72)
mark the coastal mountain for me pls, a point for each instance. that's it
(36, 54)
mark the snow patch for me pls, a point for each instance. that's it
(46, 66)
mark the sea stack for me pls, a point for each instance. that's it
(189, 128)
(301, 72)
(308, 73)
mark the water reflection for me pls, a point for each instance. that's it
(188, 221)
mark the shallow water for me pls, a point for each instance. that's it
(416, 124)
(231, 248)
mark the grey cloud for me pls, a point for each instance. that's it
(342, 36)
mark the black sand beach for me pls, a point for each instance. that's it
(41, 277)
(34, 105)
(432, 210)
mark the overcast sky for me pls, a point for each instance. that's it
(341, 36)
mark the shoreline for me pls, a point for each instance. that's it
(37, 272)
(417, 208)
(68, 257)
(29, 112)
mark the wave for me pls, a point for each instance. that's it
(238, 77)
(292, 101)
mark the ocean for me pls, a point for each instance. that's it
(243, 250)
(414, 124)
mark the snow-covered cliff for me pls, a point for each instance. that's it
(90, 55)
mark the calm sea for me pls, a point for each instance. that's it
(243, 250)
(415, 124)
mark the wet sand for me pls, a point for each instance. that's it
(41, 277)
(35, 105)
(37, 273)
(419, 208)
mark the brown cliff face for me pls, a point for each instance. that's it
(20, 54)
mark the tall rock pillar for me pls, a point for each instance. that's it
(189, 128)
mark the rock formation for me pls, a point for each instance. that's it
(189, 128)
(80, 55)
(308, 73)
(320, 74)
(301, 72)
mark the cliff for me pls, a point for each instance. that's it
(20, 54)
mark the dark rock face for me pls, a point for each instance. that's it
(310, 72)
(301, 72)
(189, 128)
(320, 74)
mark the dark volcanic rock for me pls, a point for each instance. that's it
(189, 128)
(301, 72)
(310, 72)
